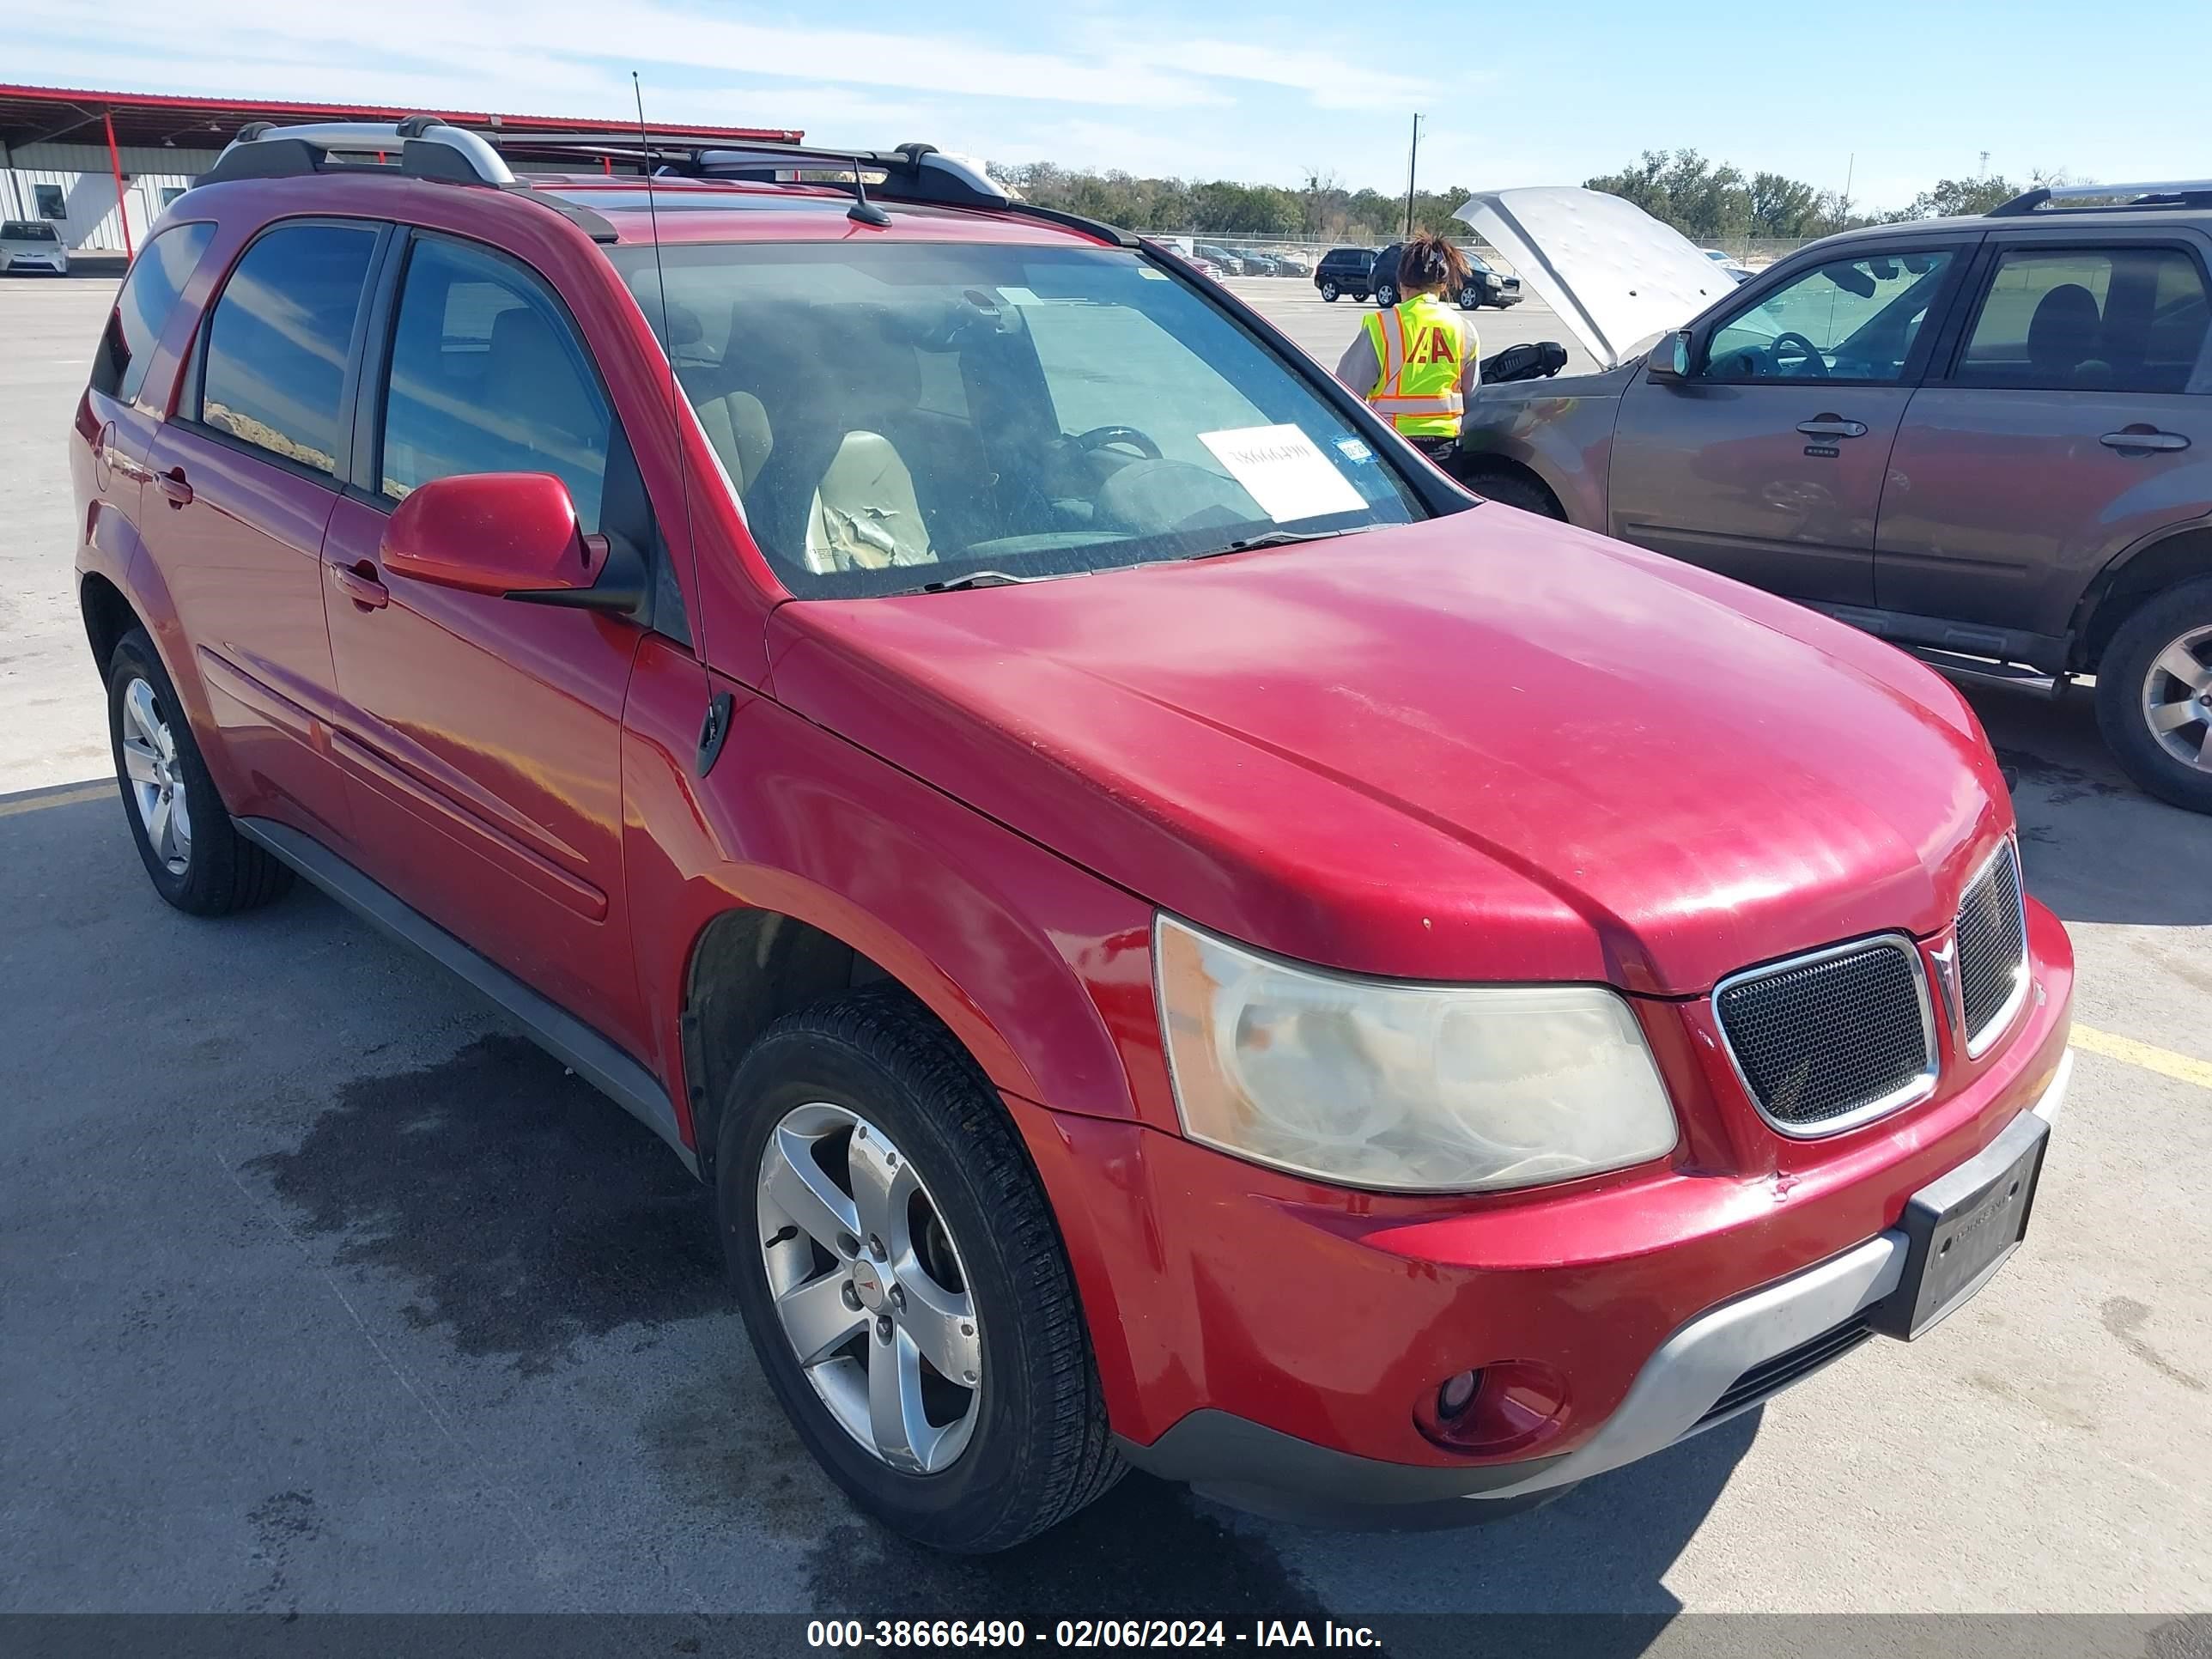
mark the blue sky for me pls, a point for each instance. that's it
(1542, 93)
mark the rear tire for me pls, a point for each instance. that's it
(1386, 297)
(973, 1468)
(1329, 291)
(1509, 490)
(2154, 696)
(193, 854)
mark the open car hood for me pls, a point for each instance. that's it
(1616, 275)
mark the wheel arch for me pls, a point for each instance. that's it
(1472, 469)
(2132, 579)
(108, 615)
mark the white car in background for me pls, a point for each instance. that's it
(1728, 262)
(32, 245)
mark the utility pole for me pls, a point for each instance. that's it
(1849, 168)
(1985, 173)
(1413, 157)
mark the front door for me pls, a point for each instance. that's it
(242, 482)
(1766, 461)
(481, 735)
(2064, 430)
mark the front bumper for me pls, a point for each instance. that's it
(1724, 1362)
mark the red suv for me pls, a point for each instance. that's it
(1176, 936)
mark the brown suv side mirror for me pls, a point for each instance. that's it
(1670, 358)
(513, 534)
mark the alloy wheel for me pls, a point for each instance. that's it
(869, 1288)
(2176, 699)
(156, 779)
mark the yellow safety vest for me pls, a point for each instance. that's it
(1419, 346)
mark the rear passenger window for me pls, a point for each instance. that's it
(273, 367)
(149, 294)
(2088, 319)
(488, 376)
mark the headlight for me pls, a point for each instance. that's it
(1419, 1088)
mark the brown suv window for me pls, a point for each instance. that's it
(275, 355)
(2093, 319)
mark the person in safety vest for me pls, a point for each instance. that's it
(1417, 363)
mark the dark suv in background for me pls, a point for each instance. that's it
(1989, 440)
(1484, 287)
(1344, 271)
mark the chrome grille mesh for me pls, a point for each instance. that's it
(1832, 1037)
(1992, 936)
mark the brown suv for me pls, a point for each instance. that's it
(1989, 440)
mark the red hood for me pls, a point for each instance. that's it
(1481, 747)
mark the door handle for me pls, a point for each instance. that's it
(361, 586)
(2143, 437)
(175, 487)
(1831, 426)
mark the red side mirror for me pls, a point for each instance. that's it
(492, 532)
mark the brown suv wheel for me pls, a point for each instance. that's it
(2154, 696)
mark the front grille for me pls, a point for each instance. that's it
(1992, 934)
(1832, 1038)
(1770, 1377)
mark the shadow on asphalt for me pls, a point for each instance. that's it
(2096, 848)
(528, 1216)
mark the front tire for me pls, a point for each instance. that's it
(902, 1278)
(193, 854)
(2154, 696)
(1508, 489)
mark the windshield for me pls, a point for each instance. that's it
(899, 415)
(27, 230)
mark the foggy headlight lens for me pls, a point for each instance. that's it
(1420, 1088)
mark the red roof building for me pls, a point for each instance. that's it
(101, 166)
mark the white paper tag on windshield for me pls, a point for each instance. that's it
(1284, 471)
(1019, 296)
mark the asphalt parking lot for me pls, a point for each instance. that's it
(319, 1289)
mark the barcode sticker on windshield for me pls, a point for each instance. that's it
(1284, 471)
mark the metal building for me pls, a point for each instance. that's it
(101, 166)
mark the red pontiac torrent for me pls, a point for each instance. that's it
(1176, 937)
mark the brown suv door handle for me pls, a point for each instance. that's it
(2143, 438)
(175, 487)
(1831, 426)
(361, 586)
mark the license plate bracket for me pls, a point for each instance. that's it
(1962, 1227)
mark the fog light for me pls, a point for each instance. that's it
(1456, 1394)
(1506, 1409)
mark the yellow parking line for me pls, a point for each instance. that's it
(59, 797)
(2164, 1061)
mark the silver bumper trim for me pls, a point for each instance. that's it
(1688, 1372)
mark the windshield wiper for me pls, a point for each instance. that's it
(976, 579)
(1277, 538)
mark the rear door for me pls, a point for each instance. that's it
(243, 480)
(1766, 461)
(2071, 416)
(121, 410)
(481, 736)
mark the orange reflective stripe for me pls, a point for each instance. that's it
(1403, 405)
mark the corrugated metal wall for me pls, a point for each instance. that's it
(79, 178)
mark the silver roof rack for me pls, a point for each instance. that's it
(428, 148)
(2184, 194)
(425, 148)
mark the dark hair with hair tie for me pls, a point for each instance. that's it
(1428, 261)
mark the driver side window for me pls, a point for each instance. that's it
(1850, 320)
